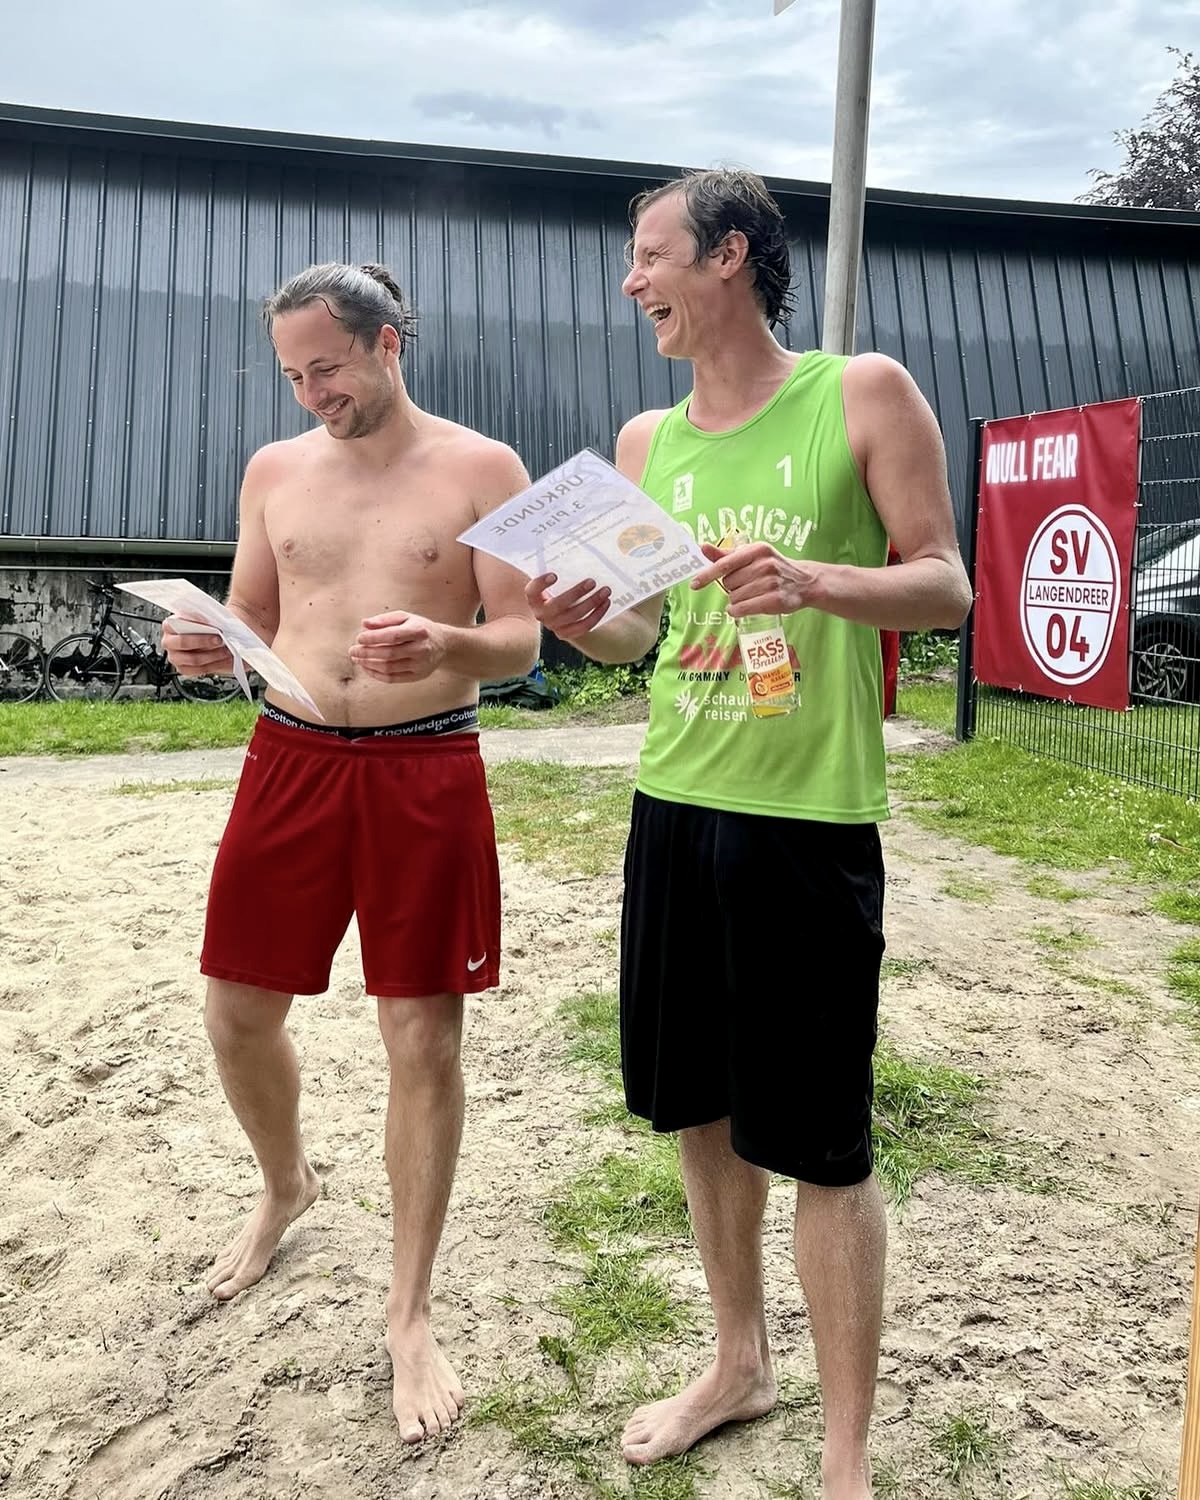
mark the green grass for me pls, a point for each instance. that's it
(1053, 940)
(620, 1305)
(968, 888)
(904, 968)
(931, 703)
(965, 1443)
(161, 788)
(124, 725)
(592, 1029)
(1180, 906)
(630, 1196)
(572, 818)
(527, 1413)
(1183, 976)
(1100, 1489)
(925, 1121)
(1053, 816)
(1049, 888)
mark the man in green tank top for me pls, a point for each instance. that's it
(751, 933)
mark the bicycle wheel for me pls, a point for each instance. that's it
(82, 667)
(21, 667)
(209, 689)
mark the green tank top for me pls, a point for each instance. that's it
(788, 477)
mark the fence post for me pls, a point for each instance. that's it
(968, 690)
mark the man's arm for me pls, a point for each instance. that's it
(577, 614)
(407, 648)
(253, 584)
(895, 438)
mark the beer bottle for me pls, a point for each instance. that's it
(766, 658)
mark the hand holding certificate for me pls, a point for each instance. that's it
(586, 520)
(199, 611)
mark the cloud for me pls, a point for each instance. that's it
(493, 111)
(1017, 99)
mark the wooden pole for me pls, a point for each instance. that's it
(1189, 1461)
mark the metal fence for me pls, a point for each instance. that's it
(1156, 741)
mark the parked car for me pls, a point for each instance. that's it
(1166, 614)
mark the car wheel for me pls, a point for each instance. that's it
(1164, 665)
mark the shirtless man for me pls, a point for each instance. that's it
(347, 564)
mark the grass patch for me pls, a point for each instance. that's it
(1052, 940)
(1183, 976)
(629, 1196)
(1180, 906)
(1049, 888)
(161, 788)
(592, 1027)
(967, 888)
(925, 1122)
(619, 1305)
(573, 818)
(122, 726)
(1053, 816)
(904, 968)
(931, 703)
(1100, 1489)
(965, 1443)
(527, 1413)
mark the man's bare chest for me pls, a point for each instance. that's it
(343, 533)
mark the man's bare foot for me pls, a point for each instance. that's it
(426, 1395)
(665, 1428)
(244, 1260)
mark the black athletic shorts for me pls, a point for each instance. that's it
(750, 955)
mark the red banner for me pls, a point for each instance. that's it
(1057, 511)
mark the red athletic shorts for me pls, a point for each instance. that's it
(396, 830)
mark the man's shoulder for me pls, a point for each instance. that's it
(634, 440)
(876, 375)
(486, 458)
(273, 460)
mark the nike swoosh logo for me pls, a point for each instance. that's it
(475, 963)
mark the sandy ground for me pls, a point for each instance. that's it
(1061, 1319)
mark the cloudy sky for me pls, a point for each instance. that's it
(1009, 98)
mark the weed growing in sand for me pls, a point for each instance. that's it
(551, 1427)
(967, 888)
(966, 1442)
(1183, 977)
(904, 968)
(1052, 941)
(630, 1196)
(1051, 889)
(161, 788)
(620, 1305)
(925, 1121)
(1100, 1489)
(573, 818)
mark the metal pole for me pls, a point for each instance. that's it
(847, 188)
(968, 689)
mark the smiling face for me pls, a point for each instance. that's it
(351, 389)
(672, 285)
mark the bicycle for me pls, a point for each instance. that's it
(22, 667)
(91, 666)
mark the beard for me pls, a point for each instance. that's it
(365, 416)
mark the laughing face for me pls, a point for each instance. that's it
(332, 375)
(667, 281)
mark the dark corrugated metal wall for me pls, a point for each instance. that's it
(135, 381)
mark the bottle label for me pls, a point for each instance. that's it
(768, 665)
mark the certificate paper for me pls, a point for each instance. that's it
(181, 597)
(586, 520)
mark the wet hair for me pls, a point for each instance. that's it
(720, 201)
(362, 298)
